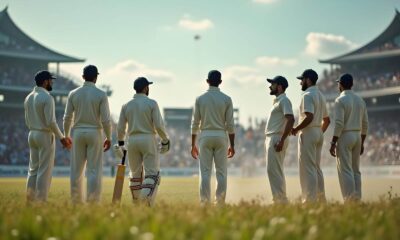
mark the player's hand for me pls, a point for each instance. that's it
(195, 152)
(294, 131)
(279, 146)
(362, 149)
(332, 150)
(66, 142)
(106, 145)
(164, 146)
(118, 151)
(231, 151)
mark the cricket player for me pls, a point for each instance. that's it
(213, 117)
(313, 122)
(279, 126)
(41, 122)
(87, 111)
(351, 126)
(143, 117)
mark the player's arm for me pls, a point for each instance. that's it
(159, 124)
(325, 118)
(339, 125)
(230, 127)
(68, 116)
(121, 126)
(289, 122)
(364, 129)
(26, 114)
(307, 107)
(195, 129)
(307, 120)
(50, 117)
(106, 121)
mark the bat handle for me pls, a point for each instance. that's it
(123, 158)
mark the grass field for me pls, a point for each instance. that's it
(177, 215)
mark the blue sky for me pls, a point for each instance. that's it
(247, 40)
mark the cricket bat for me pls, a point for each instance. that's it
(119, 180)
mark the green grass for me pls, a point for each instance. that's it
(177, 214)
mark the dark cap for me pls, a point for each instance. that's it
(140, 83)
(309, 73)
(279, 80)
(214, 76)
(90, 71)
(43, 75)
(346, 80)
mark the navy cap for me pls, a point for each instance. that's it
(90, 70)
(140, 83)
(214, 76)
(346, 79)
(43, 75)
(309, 73)
(279, 80)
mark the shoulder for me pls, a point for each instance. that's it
(225, 96)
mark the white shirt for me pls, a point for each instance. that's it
(39, 112)
(87, 107)
(213, 111)
(314, 102)
(276, 122)
(143, 116)
(350, 113)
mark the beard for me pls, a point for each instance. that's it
(147, 92)
(304, 87)
(49, 88)
(272, 92)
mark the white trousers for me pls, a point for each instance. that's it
(275, 168)
(309, 153)
(143, 154)
(348, 164)
(87, 150)
(41, 163)
(213, 149)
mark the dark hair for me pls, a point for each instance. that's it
(40, 82)
(90, 78)
(347, 85)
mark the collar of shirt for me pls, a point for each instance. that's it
(346, 92)
(278, 98)
(89, 84)
(212, 88)
(139, 95)
(41, 89)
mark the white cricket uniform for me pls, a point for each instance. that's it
(41, 121)
(351, 121)
(144, 120)
(213, 117)
(273, 131)
(310, 145)
(88, 110)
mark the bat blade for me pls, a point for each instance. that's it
(119, 183)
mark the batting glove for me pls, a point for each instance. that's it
(119, 151)
(164, 146)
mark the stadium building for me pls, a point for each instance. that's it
(376, 71)
(20, 58)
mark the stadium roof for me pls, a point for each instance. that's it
(15, 43)
(391, 33)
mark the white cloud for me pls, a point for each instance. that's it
(256, 74)
(264, 1)
(275, 61)
(323, 44)
(187, 23)
(132, 68)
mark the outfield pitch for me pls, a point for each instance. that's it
(185, 189)
(177, 214)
